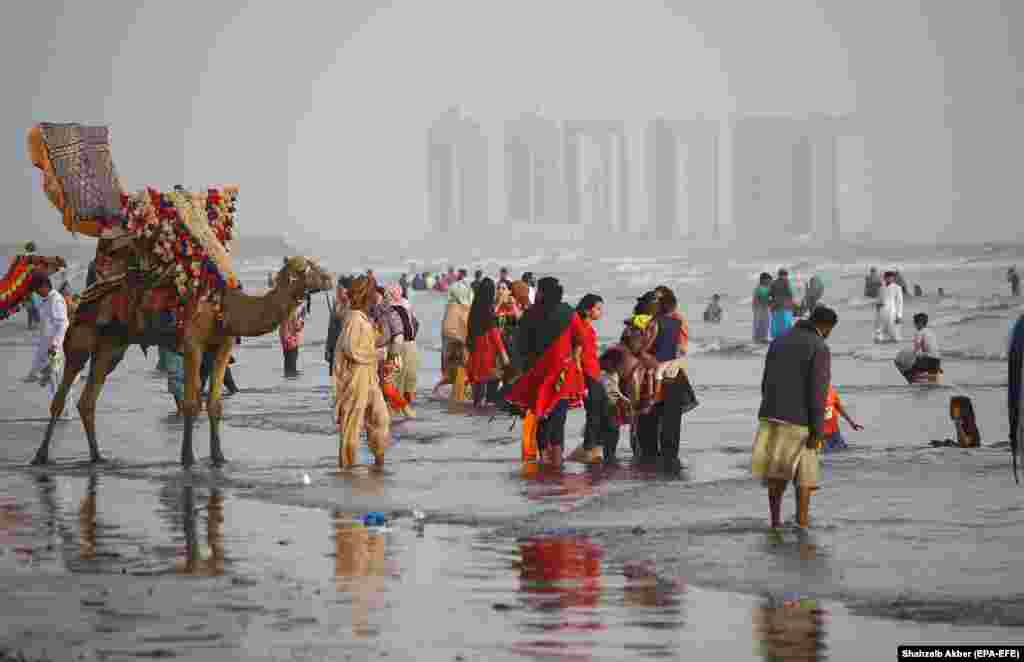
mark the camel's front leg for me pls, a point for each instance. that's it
(102, 363)
(74, 363)
(215, 406)
(193, 358)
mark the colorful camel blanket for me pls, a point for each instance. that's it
(14, 287)
(189, 234)
(79, 177)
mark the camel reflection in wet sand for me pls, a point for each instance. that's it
(360, 569)
(202, 560)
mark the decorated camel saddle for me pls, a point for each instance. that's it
(159, 254)
(16, 283)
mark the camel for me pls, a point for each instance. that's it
(209, 328)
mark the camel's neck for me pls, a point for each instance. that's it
(248, 316)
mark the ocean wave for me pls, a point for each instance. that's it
(725, 347)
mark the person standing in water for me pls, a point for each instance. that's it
(552, 380)
(713, 313)
(761, 308)
(360, 402)
(794, 395)
(591, 309)
(1015, 384)
(1013, 278)
(781, 293)
(487, 355)
(890, 313)
(815, 291)
(290, 332)
(872, 284)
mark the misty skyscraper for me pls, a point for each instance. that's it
(597, 175)
(682, 178)
(456, 172)
(534, 170)
(784, 176)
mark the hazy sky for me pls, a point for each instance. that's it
(319, 110)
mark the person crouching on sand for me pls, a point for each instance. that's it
(356, 382)
(794, 392)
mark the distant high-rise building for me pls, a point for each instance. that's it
(597, 175)
(784, 176)
(682, 178)
(534, 170)
(456, 172)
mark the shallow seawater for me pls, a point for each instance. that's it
(908, 542)
(109, 568)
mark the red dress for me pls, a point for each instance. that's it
(553, 375)
(483, 359)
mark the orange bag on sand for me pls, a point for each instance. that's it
(394, 399)
(529, 444)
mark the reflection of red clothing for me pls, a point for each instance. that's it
(549, 560)
(591, 368)
(483, 359)
(554, 376)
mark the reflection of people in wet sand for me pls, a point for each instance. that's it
(644, 588)
(201, 562)
(561, 572)
(790, 630)
(359, 568)
(560, 577)
(87, 522)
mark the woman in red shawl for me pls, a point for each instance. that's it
(487, 353)
(552, 380)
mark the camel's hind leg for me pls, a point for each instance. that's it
(215, 406)
(193, 358)
(75, 361)
(102, 364)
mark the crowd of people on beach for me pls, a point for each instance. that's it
(517, 347)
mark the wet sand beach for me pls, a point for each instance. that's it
(139, 559)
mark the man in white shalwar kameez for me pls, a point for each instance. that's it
(48, 361)
(890, 316)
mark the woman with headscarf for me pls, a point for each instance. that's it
(487, 354)
(520, 291)
(552, 380)
(356, 382)
(291, 339)
(454, 329)
(508, 312)
(408, 353)
(337, 320)
(761, 307)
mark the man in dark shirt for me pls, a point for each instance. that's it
(794, 391)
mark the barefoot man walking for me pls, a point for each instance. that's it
(794, 389)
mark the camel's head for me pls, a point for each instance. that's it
(302, 276)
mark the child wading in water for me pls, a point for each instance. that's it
(833, 409)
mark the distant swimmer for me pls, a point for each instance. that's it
(713, 313)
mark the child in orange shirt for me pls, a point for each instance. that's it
(833, 409)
